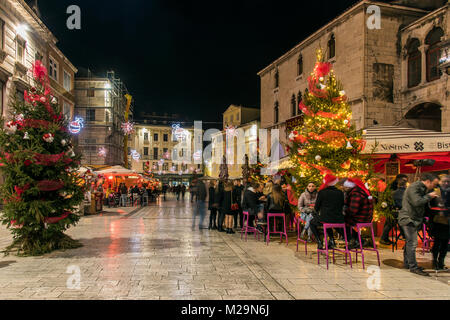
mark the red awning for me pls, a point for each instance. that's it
(442, 161)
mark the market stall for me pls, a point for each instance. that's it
(115, 175)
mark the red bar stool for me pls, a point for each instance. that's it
(299, 239)
(245, 227)
(274, 215)
(325, 251)
(361, 250)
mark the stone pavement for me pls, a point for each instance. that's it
(152, 253)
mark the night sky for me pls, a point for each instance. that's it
(188, 57)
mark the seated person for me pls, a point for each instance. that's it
(359, 208)
(329, 205)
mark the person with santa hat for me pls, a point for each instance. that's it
(329, 204)
(358, 208)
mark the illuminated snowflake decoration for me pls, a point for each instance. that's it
(102, 152)
(135, 155)
(231, 131)
(127, 127)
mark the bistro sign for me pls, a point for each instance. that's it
(410, 145)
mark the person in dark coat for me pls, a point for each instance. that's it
(398, 178)
(201, 202)
(397, 196)
(439, 225)
(358, 208)
(211, 207)
(329, 205)
(183, 191)
(251, 202)
(218, 198)
(227, 202)
(237, 194)
(411, 217)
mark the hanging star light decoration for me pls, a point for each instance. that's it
(127, 127)
(102, 152)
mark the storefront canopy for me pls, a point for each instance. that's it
(391, 144)
(117, 170)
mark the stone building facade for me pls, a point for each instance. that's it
(370, 63)
(101, 103)
(165, 150)
(240, 124)
(24, 39)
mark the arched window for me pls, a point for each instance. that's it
(433, 40)
(293, 106)
(331, 47)
(414, 63)
(275, 117)
(299, 65)
(277, 79)
(299, 99)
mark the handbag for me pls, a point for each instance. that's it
(234, 206)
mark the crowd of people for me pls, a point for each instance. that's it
(122, 196)
(345, 201)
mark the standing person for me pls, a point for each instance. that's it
(329, 205)
(178, 191)
(164, 191)
(398, 178)
(306, 203)
(227, 201)
(237, 195)
(218, 198)
(439, 228)
(123, 195)
(411, 217)
(201, 202)
(358, 208)
(211, 207)
(183, 191)
(193, 190)
(397, 195)
(250, 203)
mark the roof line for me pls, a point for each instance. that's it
(332, 22)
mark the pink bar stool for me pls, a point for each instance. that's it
(325, 251)
(282, 233)
(245, 227)
(361, 250)
(298, 235)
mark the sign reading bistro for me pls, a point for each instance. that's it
(409, 145)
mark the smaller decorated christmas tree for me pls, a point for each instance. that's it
(41, 190)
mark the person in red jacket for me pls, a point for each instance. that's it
(358, 208)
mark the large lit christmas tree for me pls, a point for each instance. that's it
(327, 142)
(40, 191)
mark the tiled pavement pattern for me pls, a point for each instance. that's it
(153, 254)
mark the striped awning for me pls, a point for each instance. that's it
(391, 139)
